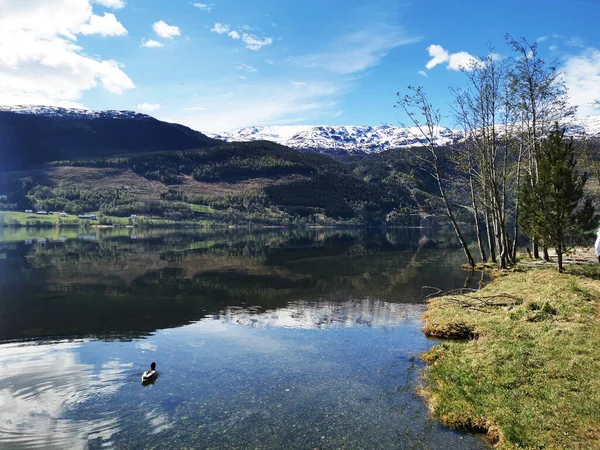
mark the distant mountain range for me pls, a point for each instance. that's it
(339, 140)
(33, 135)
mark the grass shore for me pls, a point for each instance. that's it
(524, 362)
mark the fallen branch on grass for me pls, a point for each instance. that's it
(462, 298)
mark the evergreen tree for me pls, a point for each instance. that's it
(553, 209)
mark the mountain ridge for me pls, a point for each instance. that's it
(359, 139)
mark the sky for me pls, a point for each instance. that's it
(219, 65)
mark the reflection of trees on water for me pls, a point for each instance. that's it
(117, 286)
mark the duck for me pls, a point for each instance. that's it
(150, 375)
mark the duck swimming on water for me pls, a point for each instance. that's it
(150, 375)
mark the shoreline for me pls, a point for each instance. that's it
(518, 360)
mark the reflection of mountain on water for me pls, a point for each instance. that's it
(116, 287)
(325, 314)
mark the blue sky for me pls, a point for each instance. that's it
(217, 65)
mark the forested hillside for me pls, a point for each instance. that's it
(234, 183)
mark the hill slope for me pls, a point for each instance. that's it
(234, 183)
(36, 135)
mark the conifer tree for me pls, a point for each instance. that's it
(553, 209)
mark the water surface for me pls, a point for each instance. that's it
(283, 339)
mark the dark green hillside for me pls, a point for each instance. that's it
(28, 139)
(233, 183)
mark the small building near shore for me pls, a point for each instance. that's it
(87, 217)
(42, 212)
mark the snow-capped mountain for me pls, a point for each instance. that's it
(73, 113)
(369, 139)
(343, 139)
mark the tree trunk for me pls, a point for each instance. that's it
(545, 252)
(559, 258)
(490, 236)
(459, 235)
(536, 249)
(477, 222)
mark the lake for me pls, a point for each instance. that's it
(268, 339)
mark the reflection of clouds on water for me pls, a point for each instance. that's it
(40, 383)
(225, 331)
(158, 421)
(145, 345)
(325, 315)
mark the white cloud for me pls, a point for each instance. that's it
(242, 78)
(47, 67)
(107, 25)
(247, 68)
(150, 43)
(438, 56)
(148, 106)
(581, 74)
(220, 28)
(422, 72)
(269, 61)
(250, 41)
(204, 6)
(195, 108)
(165, 30)
(456, 61)
(254, 42)
(114, 4)
(355, 52)
(462, 61)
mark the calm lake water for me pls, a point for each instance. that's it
(278, 339)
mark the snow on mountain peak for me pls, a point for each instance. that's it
(368, 139)
(350, 139)
(59, 112)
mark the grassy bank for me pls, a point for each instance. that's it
(529, 372)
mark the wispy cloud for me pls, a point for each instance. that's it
(148, 107)
(356, 51)
(254, 42)
(231, 107)
(456, 61)
(247, 68)
(220, 28)
(250, 41)
(150, 43)
(423, 73)
(164, 30)
(204, 6)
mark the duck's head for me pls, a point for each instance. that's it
(153, 366)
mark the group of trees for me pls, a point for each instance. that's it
(516, 168)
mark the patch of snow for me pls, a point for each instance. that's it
(76, 113)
